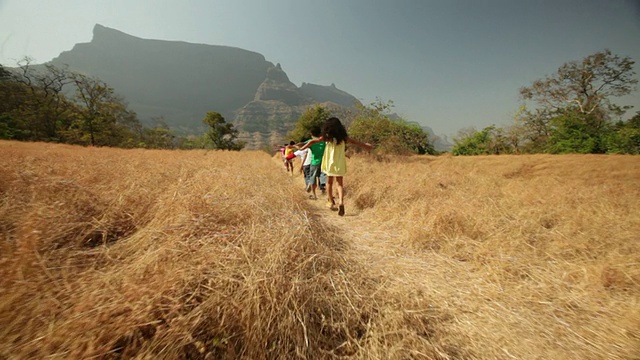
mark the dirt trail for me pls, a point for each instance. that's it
(494, 309)
(471, 309)
(381, 251)
(450, 287)
(427, 281)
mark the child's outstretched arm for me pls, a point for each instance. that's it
(358, 143)
(311, 142)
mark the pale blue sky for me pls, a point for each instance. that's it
(448, 64)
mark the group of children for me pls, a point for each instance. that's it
(291, 151)
(323, 158)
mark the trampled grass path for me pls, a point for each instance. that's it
(470, 311)
(429, 282)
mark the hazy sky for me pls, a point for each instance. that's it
(448, 64)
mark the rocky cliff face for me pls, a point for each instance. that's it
(328, 94)
(180, 82)
(174, 80)
(278, 104)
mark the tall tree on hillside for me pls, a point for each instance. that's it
(586, 86)
(222, 134)
(39, 102)
(577, 101)
(104, 119)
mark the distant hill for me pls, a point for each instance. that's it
(179, 82)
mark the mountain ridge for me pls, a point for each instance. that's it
(178, 82)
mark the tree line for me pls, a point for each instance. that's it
(573, 112)
(570, 111)
(52, 104)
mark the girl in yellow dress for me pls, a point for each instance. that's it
(334, 161)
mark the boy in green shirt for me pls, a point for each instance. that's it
(317, 151)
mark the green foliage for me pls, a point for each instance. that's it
(533, 130)
(374, 125)
(192, 142)
(7, 127)
(473, 142)
(35, 101)
(158, 138)
(569, 134)
(575, 108)
(34, 107)
(626, 137)
(313, 117)
(222, 134)
(102, 117)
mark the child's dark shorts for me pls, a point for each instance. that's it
(306, 170)
(314, 173)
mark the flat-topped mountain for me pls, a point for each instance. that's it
(179, 82)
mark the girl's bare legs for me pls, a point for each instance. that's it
(340, 195)
(330, 201)
(340, 190)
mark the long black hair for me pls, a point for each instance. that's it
(334, 130)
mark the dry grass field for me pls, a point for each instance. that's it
(148, 254)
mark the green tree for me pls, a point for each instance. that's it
(7, 127)
(586, 85)
(577, 102)
(570, 134)
(312, 117)
(223, 136)
(375, 124)
(12, 95)
(33, 106)
(472, 142)
(159, 137)
(192, 141)
(626, 137)
(103, 117)
(35, 100)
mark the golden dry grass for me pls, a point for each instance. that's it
(164, 254)
(543, 252)
(109, 253)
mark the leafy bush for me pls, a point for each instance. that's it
(312, 117)
(389, 133)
